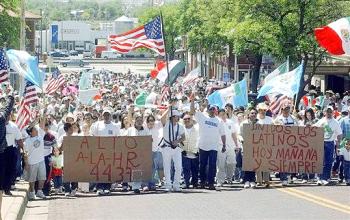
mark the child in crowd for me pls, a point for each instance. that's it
(57, 170)
(345, 157)
(34, 148)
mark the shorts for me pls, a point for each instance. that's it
(36, 172)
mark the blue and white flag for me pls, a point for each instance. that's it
(236, 94)
(25, 65)
(287, 84)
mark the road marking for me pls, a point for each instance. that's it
(316, 199)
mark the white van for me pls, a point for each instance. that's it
(110, 54)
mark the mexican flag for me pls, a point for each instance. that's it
(147, 100)
(283, 68)
(335, 37)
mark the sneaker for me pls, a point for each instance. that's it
(252, 185)
(73, 193)
(31, 196)
(319, 182)
(324, 182)
(304, 181)
(246, 185)
(177, 189)
(284, 183)
(106, 192)
(145, 189)
(8, 193)
(40, 194)
(100, 192)
(125, 188)
(212, 187)
(13, 187)
(218, 186)
(340, 181)
(60, 190)
(167, 189)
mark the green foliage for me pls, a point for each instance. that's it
(9, 26)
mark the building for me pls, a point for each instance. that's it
(123, 24)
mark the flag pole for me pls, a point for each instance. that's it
(168, 79)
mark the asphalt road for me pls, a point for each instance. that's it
(232, 202)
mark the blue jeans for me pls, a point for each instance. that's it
(249, 176)
(190, 167)
(157, 166)
(47, 185)
(57, 181)
(238, 171)
(103, 186)
(346, 171)
(328, 160)
(338, 164)
(204, 158)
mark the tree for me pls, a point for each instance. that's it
(10, 23)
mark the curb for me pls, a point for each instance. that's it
(15, 210)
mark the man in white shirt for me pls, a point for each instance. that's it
(174, 134)
(105, 128)
(332, 134)
(14, 141)
(227, 160)
(210, 130)
(190, 153)
(285, 118)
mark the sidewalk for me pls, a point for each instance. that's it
(13, 207)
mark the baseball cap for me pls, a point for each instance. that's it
(175, 113)
(106, 110)
(329, 107)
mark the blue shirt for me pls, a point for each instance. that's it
(345, 126)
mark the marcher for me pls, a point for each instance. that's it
(210, 131)
(332, 137)
(4, 114)
(174, 135)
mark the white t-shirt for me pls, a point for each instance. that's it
(102, 129)
(178, 130)
(230, 128)
(13, 134)
(265, 121)
(132, 131)
(34, 146)
(331, 128)
(210, 130)
(346, 154)
(281, 120)
(157, 134)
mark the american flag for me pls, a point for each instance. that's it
(57, 81)
(4, 75)
(277, 103)
(25, 113)
(165, 94)
(147, 36)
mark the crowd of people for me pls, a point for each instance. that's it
(195, 144)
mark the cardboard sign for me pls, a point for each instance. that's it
(278, 148)
(107, 159)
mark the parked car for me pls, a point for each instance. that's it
(73, 62)
(87, 54)
(110, 54)
(58, 54)
(73, 53)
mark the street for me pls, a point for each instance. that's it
(232, 202)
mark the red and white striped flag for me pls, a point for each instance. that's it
(4, 74)
(191, 77)
(57, 81)
(277, 103)
(148, 36)
(25, 113)
(165, 94)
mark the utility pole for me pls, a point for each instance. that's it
(41, 33)
(23, 27)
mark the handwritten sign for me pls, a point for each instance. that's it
(277, 148)
(107, 159)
